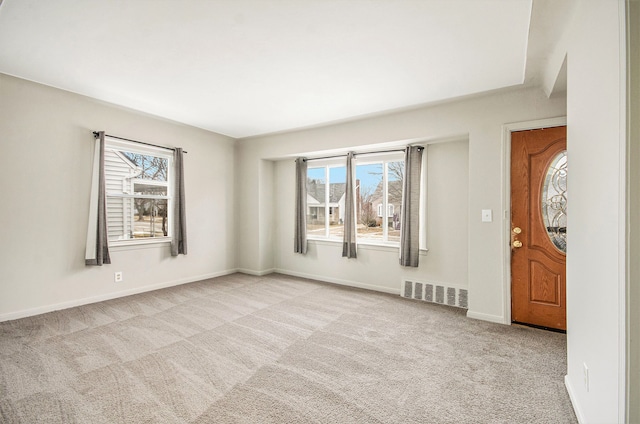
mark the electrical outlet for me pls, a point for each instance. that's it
(586, 376)
(117, 277)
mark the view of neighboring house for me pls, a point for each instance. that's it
(394, 204)
(316, 202)
(369, 208)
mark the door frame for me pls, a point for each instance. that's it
(507, 129)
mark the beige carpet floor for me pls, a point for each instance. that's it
(276, 349)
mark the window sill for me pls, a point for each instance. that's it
(139, 244)
(363, 245)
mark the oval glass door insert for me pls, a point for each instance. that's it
(554, 201)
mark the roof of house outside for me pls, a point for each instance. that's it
(317, 191)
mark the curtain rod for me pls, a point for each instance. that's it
(357, 154)
(96, 134)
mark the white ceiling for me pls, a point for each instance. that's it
(251, 67)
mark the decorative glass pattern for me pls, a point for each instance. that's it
(554, 201)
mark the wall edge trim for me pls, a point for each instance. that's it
(572, 398)
(24, 313)
(499, 319)
(256, 272)
(339, 281)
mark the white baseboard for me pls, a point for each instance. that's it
(341, 282)
(108, 296)
(256, 273)
(572, 397)
(499, 319)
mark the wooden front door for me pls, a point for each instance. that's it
(538, 227)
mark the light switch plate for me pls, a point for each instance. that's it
(487, 216)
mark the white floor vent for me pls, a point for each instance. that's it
(435, 293)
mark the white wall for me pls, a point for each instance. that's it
(595, 255)
(478, 120)
(45, 170)
(447, 227)
(267, 212)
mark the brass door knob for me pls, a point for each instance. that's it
(517, 230)
(517, 244)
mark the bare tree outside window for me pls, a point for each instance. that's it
(375, 220)
(367, 216)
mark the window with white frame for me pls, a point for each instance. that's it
(378, 188)
(326, 200)
(138, 191)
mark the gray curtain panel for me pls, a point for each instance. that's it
(410, 214)
(349, 247)
(300, 242)
(179, 236)
(97, 250)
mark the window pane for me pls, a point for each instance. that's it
(316, 186)
(337, 185)
(370, 196)
(149, 167)
(136, 218)
(150, 219)
(554, 201)
(395, 175)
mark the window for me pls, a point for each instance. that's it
(138, 191)
(390, 209)
(325, 201)
(378, 188)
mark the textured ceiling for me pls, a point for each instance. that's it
(250, 67)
